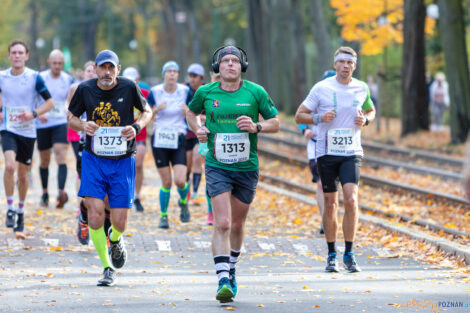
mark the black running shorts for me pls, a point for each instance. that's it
(242, 184)
(163, 157)
(22, 146)
(51, 135)
(345, 168)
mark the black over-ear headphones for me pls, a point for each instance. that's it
(215, 60)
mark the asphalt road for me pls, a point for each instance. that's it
(173, 271)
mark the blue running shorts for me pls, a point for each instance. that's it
(115, 178)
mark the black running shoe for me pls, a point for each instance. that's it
(164, 222)
(322, 232)
(350, 264)
(10, 220)
(44, 200)
(138, 205)
(109, 277)
(19, 223)
(118, 253)
(332, 263)
(185, 216)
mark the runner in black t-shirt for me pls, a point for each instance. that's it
(108, 164)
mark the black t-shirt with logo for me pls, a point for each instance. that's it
(108, 108)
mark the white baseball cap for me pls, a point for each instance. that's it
(196, 69)
(131, 73)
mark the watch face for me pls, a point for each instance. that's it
(258, 127)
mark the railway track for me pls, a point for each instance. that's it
(451, 247)
(407, 153)
(372, 180)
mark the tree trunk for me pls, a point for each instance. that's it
(258, 43)
(33, 34)
(322, 38)
(415, 114)
(194, 32)
(453, 41)
(298, 57)
(90, 27)
(169, 31)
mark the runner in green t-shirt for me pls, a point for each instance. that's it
(232, 108)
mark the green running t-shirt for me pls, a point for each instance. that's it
(222, 108)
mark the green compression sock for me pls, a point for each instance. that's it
(164, 200)
(184, 192)
(115, 234)
(99, 240)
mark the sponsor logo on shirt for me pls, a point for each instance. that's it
(215, 103)
(243, 104)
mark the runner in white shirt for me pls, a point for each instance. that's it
(342, 105)
(19, 87)
(168, 101)
(52, 127)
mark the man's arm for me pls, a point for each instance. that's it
(129, 132)
(75, 122)
(194, 123)
(271, 125)
(304, 116)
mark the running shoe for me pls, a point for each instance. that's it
(19, 223)
(109, 277)
(138, 205)
(210, 218)
(332, 263)
(118, 253)
(10, 220)
(233, 282)
(349, 262)
(44, 200)
(322, 232)
(62, 199)
(224, 292)
(164, 222)
(83, 234)
(185, 216)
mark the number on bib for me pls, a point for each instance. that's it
(58, 111)
(12, 119)
(109, 142)
(342, 141)
(232, 148)
(166, 138)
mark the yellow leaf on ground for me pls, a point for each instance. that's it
(260, 305)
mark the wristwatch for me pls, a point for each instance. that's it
(367, 122)
(258, 127)
(35, 114)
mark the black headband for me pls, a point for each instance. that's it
(230, 50)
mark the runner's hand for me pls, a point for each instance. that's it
(162, 106)
(309, 134)
(90, 128)
(129, 133)
(245, 123)
(360, 119)
(26, 116)
(328, 116)
(201, 134)
(1, 117)
(43, 118)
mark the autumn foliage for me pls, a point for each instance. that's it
(374, 23)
